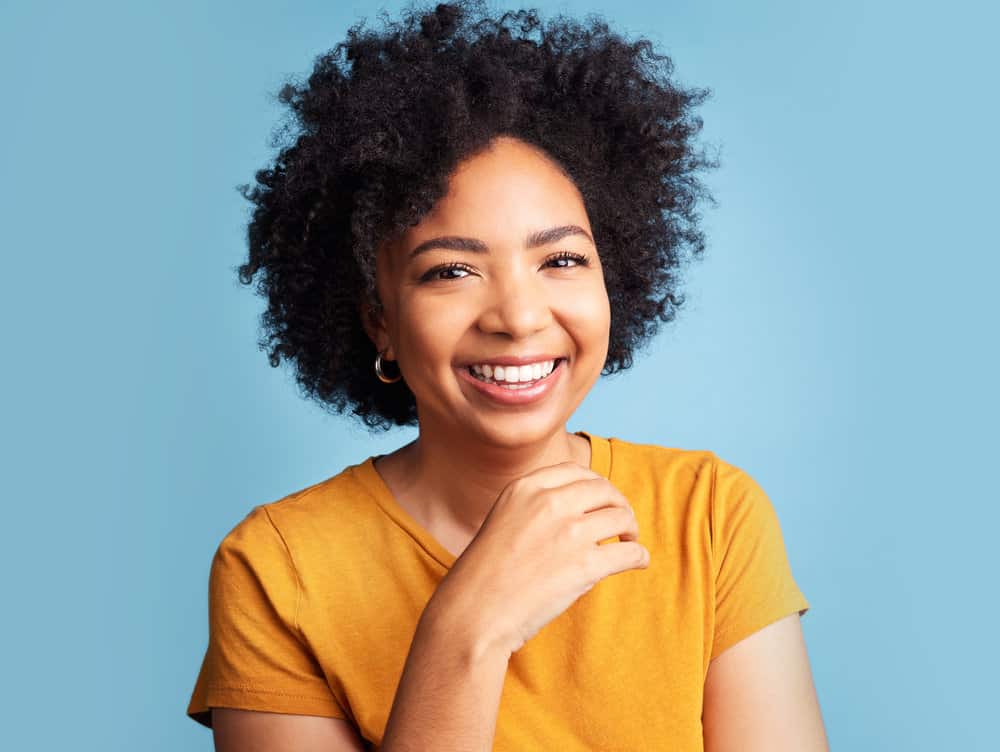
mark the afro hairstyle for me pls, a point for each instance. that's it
(383, 120)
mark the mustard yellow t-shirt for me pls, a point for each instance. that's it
(313, 601)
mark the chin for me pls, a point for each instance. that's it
(517, 429)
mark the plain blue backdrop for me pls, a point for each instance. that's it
(839, 341)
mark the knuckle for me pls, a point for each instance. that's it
(624, 519)
(574, 530)
(591, 565)
(519, 484)
(550, 502)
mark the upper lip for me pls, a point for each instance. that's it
(511, 360)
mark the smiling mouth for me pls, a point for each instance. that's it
(516, 385)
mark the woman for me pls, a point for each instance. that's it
(477, 219)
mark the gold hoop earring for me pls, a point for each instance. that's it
(381, 375)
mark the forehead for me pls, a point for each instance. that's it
(507, 190)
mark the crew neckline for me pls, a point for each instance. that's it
(600, 462)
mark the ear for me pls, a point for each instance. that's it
(373, 320)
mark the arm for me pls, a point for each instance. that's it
(447, 699)
(759, 695)
(256, 731)
(449, 694)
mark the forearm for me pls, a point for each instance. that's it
(449, 693)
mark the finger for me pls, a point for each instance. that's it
(553, 476)
(550, 476)
(609, 522)
(589, 494)
(620, 557)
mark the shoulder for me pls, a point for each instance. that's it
(660, 464)
(304, 519)
(673, 485)
(738, 499)
(336, 497)
(697, 479)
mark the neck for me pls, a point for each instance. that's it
(458, 481)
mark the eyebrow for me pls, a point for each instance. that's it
(474, 245)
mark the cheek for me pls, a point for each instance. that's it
(431, 324)
(594, 313)
(589, 312)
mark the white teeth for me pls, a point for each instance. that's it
(514, 374)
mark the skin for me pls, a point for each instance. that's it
(510, 300)
(759, 694)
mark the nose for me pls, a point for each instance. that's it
(516, 305)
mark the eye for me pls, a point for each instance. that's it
(435, 273)
(559, 261)
(577, 259)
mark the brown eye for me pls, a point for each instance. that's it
(435, 274)
(576, 258)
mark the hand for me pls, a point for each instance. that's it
(537, 552)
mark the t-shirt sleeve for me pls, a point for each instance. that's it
(257, 658)
(754, 586)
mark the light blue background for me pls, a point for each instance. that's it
(839, 343)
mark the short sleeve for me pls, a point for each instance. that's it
(256, 657)
(754, 586)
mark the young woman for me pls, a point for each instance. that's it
(477, 219)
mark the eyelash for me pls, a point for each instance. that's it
(580, 260)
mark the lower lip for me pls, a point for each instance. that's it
(516, 396)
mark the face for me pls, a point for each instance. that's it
(480, 281)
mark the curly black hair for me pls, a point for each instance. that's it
(383, 120)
